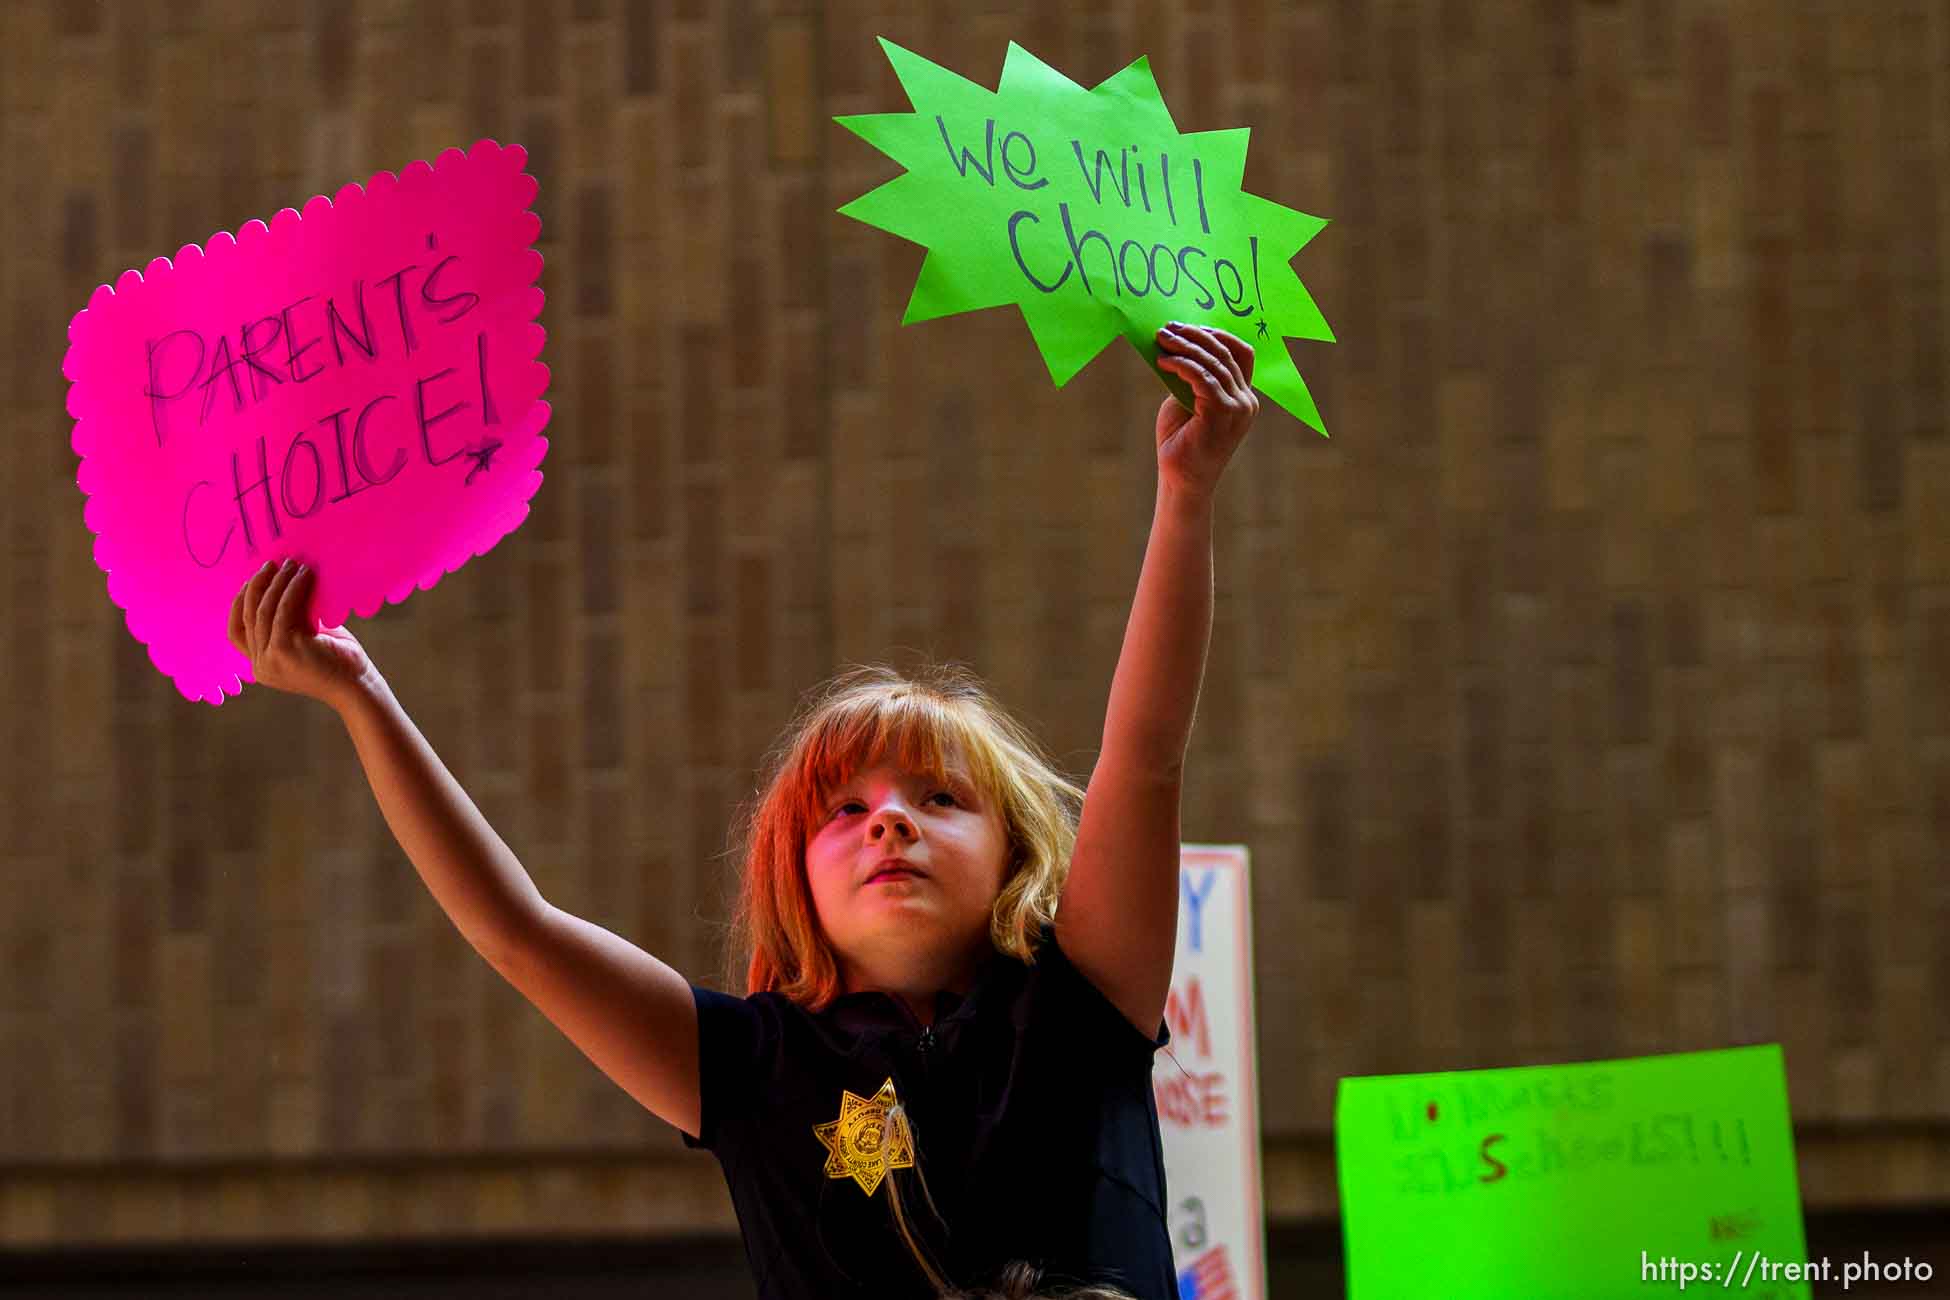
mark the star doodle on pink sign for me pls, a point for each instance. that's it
(358, 386)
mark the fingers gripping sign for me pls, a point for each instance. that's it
(1195, 446)
(271, 625)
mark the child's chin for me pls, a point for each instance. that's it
(899, 898)
(895, 886)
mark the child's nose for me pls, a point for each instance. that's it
(890, 822)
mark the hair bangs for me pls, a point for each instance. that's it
(893, 725)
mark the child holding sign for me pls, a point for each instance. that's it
(959, 961)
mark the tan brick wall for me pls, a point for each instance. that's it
(1588, 693)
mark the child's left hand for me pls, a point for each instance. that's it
(1195, 446)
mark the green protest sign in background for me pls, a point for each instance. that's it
(1092, 213)
(1576, 1181)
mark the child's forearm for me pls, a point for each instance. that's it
(471, 872)
(1154, 693)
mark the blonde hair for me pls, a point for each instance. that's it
(873, 714)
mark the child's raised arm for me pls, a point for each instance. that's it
(628, 1012)
(1118, 919)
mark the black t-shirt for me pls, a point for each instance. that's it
(1032, 1119)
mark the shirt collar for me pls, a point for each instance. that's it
(871, 1008)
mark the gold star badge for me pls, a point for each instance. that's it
(861, 1144)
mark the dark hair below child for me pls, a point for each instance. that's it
(1023, 1281)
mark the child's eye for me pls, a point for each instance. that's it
(944, 794)
(844, 808)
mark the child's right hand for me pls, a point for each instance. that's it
(268, 626)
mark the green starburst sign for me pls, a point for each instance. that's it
(1092, 213)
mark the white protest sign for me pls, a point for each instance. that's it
(1207, 1083)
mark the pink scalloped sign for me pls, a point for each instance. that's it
(358, 386)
